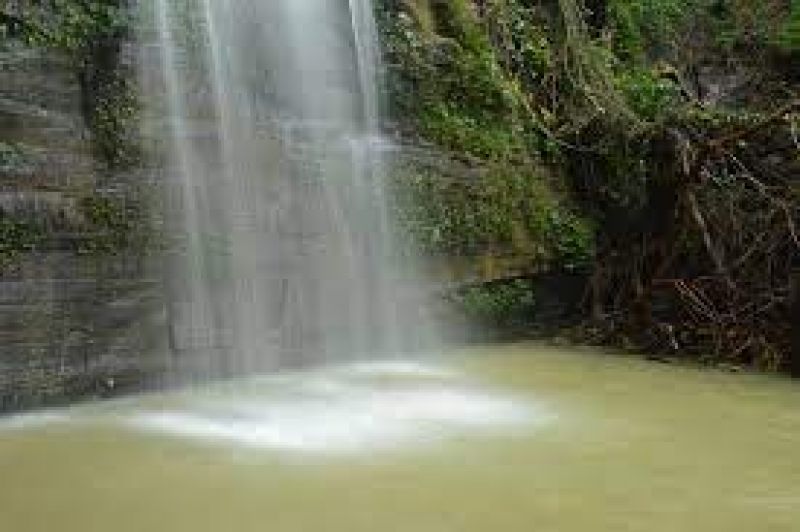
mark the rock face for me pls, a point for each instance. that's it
(71, 324)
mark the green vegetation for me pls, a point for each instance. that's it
(112, 224)
(651, 143)
(16, 238)
(453, 87)
(789, 36)
(503, 306)
(91, 35)
(469, 97)
(70, 25)
(503, 211)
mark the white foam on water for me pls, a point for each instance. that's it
(400, 368)
(345, 417)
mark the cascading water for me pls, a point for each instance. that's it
(268, 113)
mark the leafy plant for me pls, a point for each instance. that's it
(649, 95)
(497, 303)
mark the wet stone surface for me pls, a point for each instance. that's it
(71, 326)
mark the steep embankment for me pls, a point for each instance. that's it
(76, 291)
(650, 144)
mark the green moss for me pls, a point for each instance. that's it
(504, 212)
(17, 237)
(471, 87)
(458, 131)
(112, 225)
(90, 34)
(455, 88)
(70, 25)
(114, 121)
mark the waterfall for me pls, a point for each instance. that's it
(266, 116)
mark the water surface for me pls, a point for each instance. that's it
(515, 438)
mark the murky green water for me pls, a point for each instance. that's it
(514, 439)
